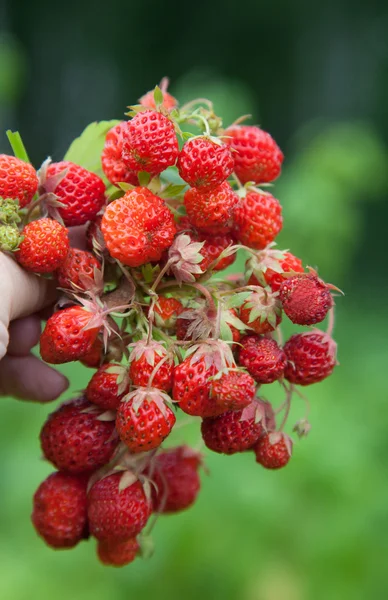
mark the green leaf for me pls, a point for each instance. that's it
(173, 190)
(186, 135)
(17, 145)
(144, 178)
(158, 96)
(237, 299)
(86, 149)
(125, 186)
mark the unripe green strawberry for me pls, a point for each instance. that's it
(9, 238)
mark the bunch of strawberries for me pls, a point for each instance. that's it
(145, 303)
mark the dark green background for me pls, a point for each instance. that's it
(314, 75)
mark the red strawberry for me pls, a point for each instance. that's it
(117, 554)
(257, 156)
(81, 192)
(93, 357)
(261, 311)
(212, 212)
(144, 420)
(230, 432)
(169, 102)
(150, 143)
(75, 440)
(214, 245)
(306, 299)
(175, 475)
(115, 512)
(166, 313)
(44, 247)
(138, 227)
(311, 357)
(262, 358)
(258, 220)
(233, 390)
(263, 275)
(144, 359)
(103, 389)
(66, 337)
(204, 163)
(18, 179)
(77, 268)
(115, 169)
(59, 510)
(273, 450)
(192, 386)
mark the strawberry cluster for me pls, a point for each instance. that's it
(148, 307)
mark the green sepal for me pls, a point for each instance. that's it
(158, 96)
(144, 178)
(173, 190)
(17, 145)
(237, 299)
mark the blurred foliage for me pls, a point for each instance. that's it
(313, 76)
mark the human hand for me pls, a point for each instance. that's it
(22, 296)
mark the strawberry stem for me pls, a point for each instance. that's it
(330, 324)
(289, 392)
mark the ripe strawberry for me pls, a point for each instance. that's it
(115, 169)
(103, 389)
(117, 554)
(262, 358)
(214, 245)
(264, 275)
(212, 212)
(230, 433)
(233, 390)
(192, 387)
(175, 475)
(257, 156)
(81, 192)
(77, 270)
(93, 357)
(74, 439)
(44, 247)
(144, 420)
(261, 311)
(258, 220)
(18, 179)
(150, 143)
(311, 357)
(59, 510)
(143, 360)
(273, 450)
(306, 299)
(204, 163)
(166, 313)
(67, 337)
(169, 102)
(138, 227)
(117, 513)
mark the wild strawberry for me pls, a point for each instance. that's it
(231, 432)
(93, 357)
(103, 389)
(166, 313)
(212, 212)
(233, 390)
(258, 220)
(150, 143)
(117, 554)
(18, 179)
(115, 169)
(138, 227)
(257, 156)
(144, 420)
(269, 268)
(306, 299)
(76, 440)
(81, 192)
(311, 357)
(175, 475)
(214, 245)
(148, 359)
(44, 247)
(261, 311)
(77, 270)
(262, 358)
(204, 163)
(68, 335)
(273, 450)
(115, 512)
(169, 102)
(59, 510)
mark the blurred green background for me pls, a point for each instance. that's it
(316, 76)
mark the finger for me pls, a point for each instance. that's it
(28, 378)
(23, 335)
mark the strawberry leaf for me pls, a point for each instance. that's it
(86, 149)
